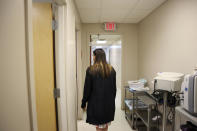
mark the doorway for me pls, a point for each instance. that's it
(112, 45)
(44, 66)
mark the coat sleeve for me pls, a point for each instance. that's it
(87, 89)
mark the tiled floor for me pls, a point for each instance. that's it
(119, 124)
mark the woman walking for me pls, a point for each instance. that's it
(100, 92)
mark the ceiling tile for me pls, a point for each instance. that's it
(130, 20)
(90, 13)
(145, 4)
(127, 11)
(90, 20)
(118, 4)
(114, 13)
(88, 3)
(103, 20)
(138, 13)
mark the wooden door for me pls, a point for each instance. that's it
(44, 66)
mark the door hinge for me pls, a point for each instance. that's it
(54, 25)
(56, 93)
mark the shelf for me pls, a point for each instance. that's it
(129, 104)
(138, 107)
(145, 129)
(143, 115)
(138, 91)
(148, 100)
(129, 120)
(128, 117)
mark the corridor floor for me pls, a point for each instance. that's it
(119, 124)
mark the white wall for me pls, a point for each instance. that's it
(168, 39)
(78, 27)
(79, 75)
(14, 101)
(129, 49)
(71, 70)
(60, 66)
(115, 61)
(67, 65)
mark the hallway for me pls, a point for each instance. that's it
(119, 124)
(45, 51)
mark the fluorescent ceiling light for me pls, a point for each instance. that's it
(101, 41)
(115, 46)
(98, 46)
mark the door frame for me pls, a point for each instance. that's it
(59, 39)
(122, 50)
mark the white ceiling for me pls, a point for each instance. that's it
(119, 11)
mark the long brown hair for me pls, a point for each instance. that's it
(100, 65)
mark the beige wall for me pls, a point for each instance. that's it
(168, 39)
(14, 110)
(129, 49)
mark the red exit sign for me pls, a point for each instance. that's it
(110, 26)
